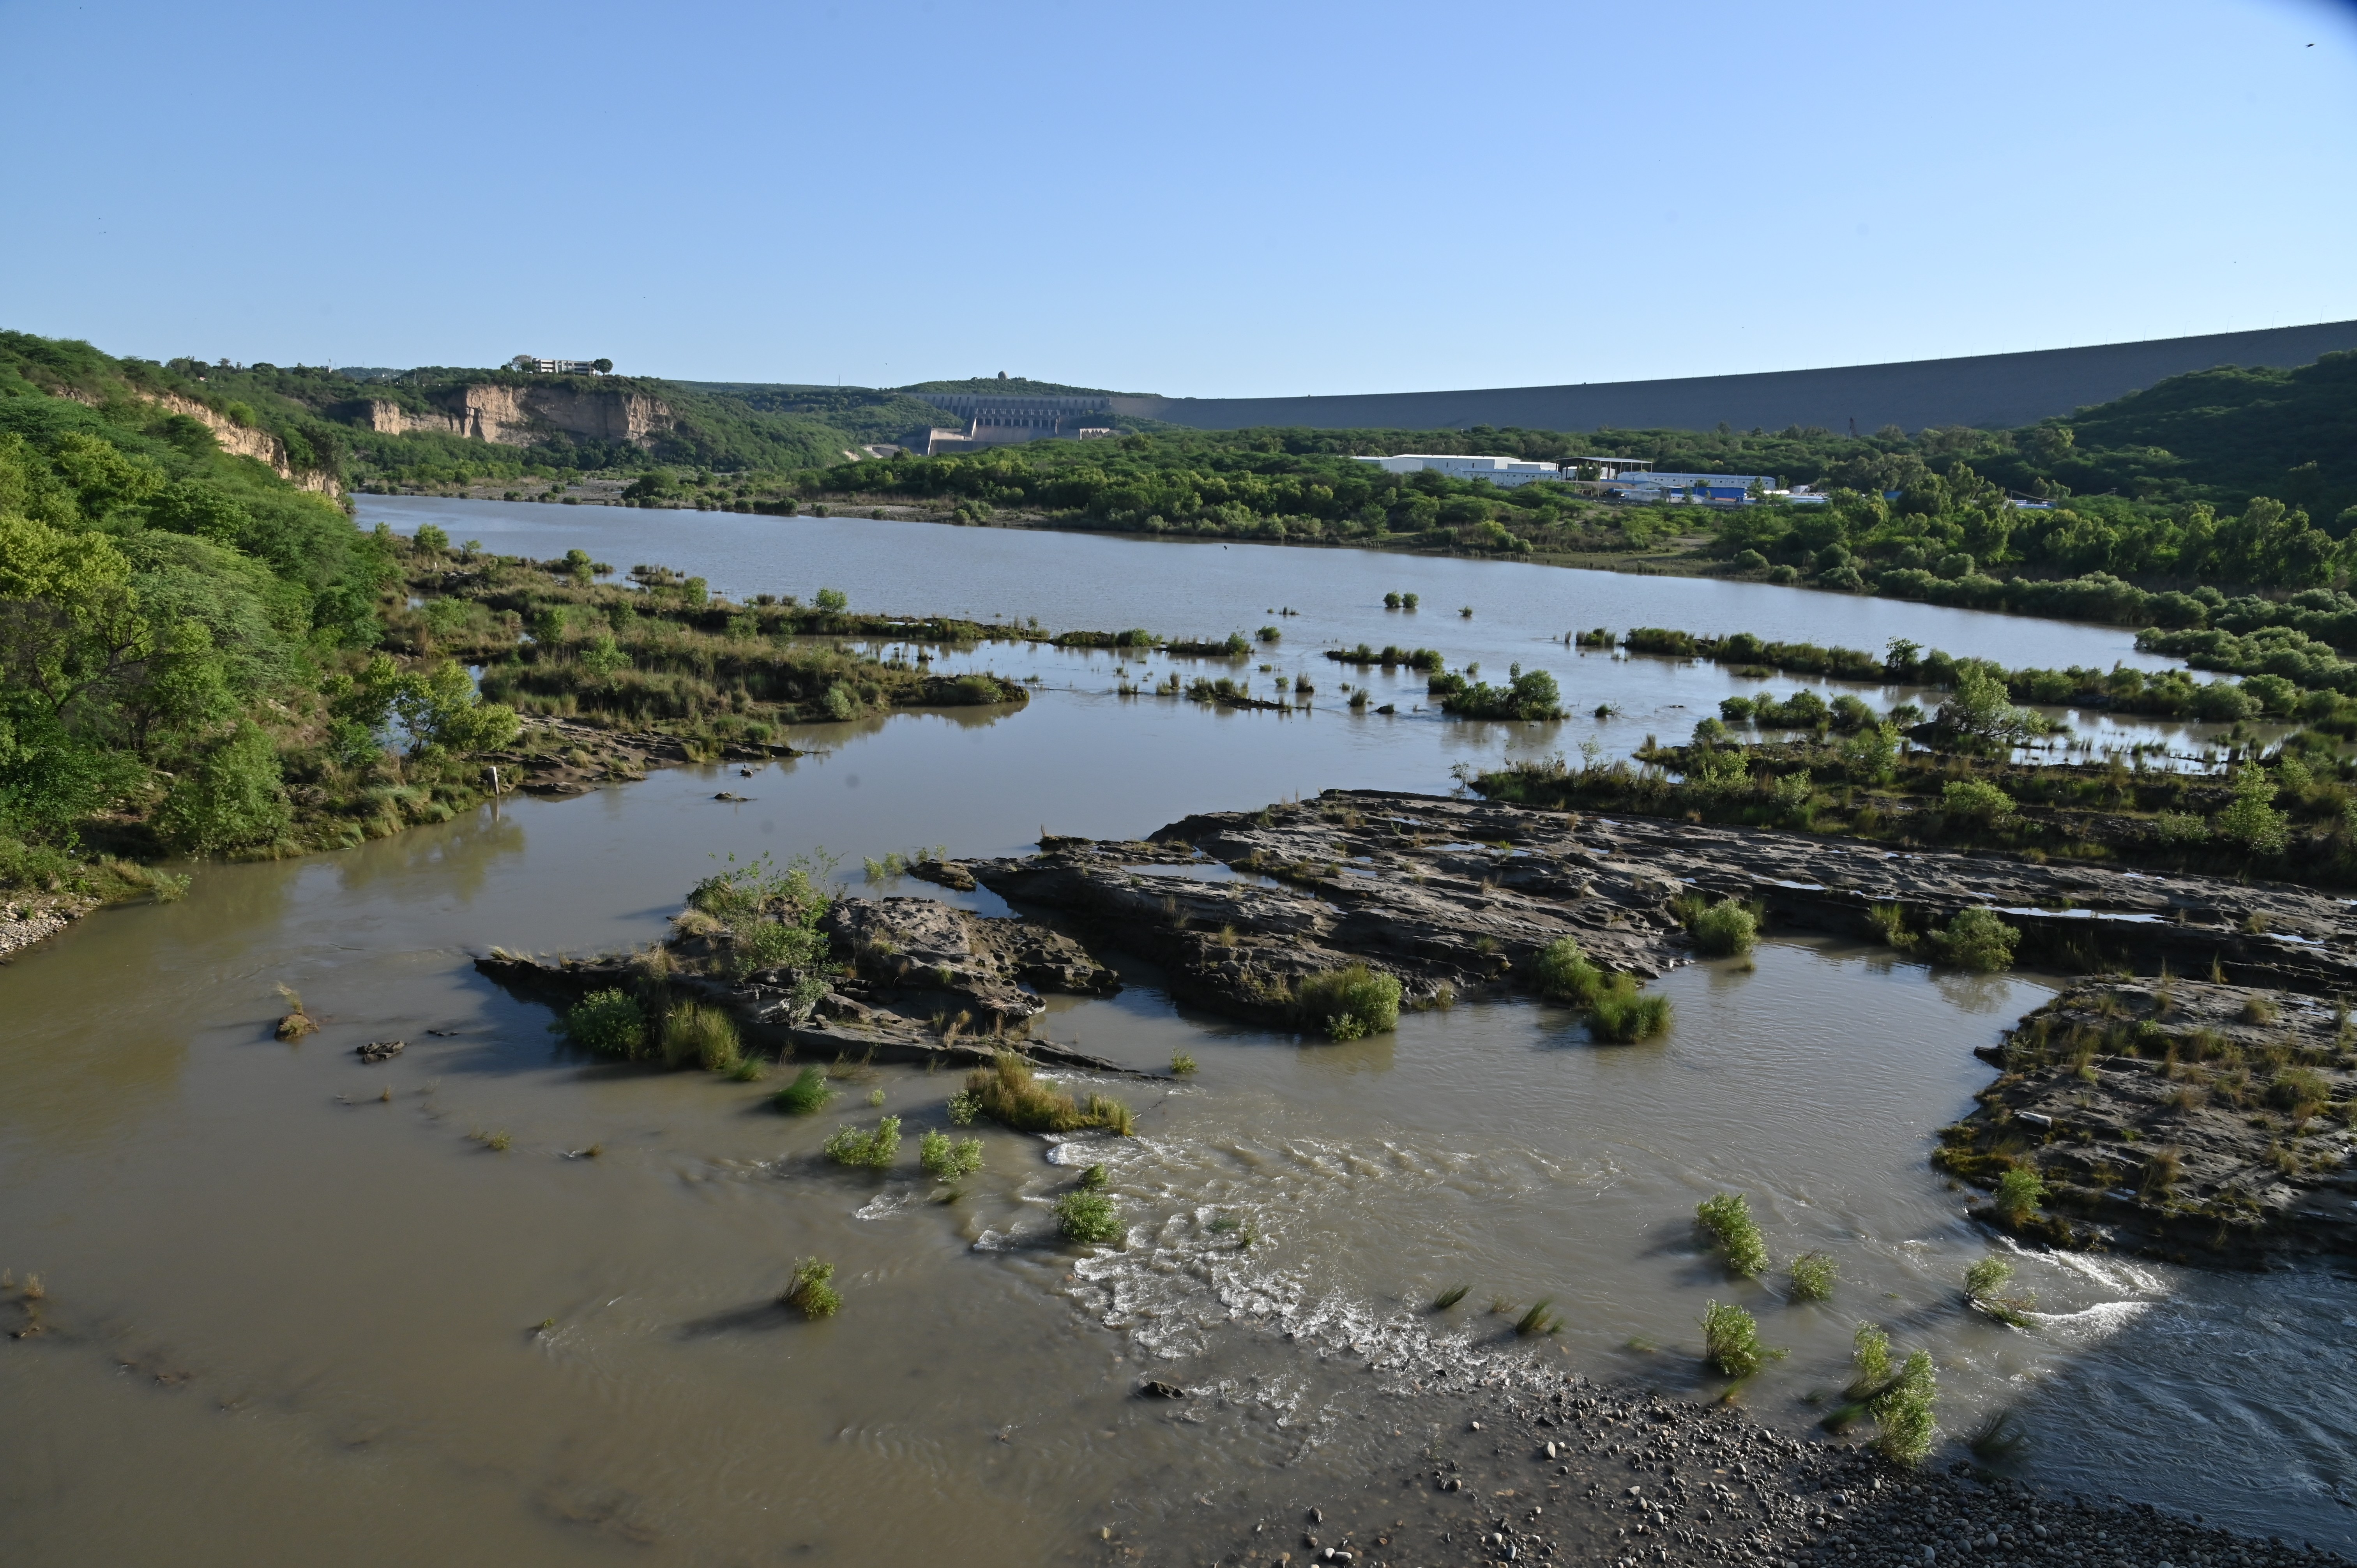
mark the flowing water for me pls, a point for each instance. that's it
(302, 1310)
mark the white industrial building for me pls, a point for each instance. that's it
(1507, 472)
(1718, 488)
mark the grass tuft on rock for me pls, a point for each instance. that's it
(2020, 1191)
(1349, 1003)
(807, 1095)
(812, 1291)
(1562, 973)
(1087, 1216)
(1976, 940)
(875, 1151)
(1722, 930)
(1727, 1219)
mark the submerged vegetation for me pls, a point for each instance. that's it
(1009, 1094)
(1616, 1009)
(812, 1291)
(1088, 1216)
(1727, 1219)
(1731, 1341)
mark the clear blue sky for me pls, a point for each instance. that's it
(1210, 199)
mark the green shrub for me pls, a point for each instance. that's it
(1903, 1413)
(1870, 1356)
(1724, 928)
(608, 1024)
(1984, 1281)
(1351, 1002)
(1008, 1094)
(1813, 1276)
(2250, 822)
(1976, 940)
(946, 1161)
(230, 800)
(1562, 973)
(1727, 1219)
(1731, 1340)
(807, 1094)
(2020, 1191)
(812, 1289)
(875, 1150)
(1975, 801)
(703, 1035)
(1182, 1063)
(1093, 1177)
(1624, 1015)
(1088, 1217)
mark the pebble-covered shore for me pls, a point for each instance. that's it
(1561, 1470)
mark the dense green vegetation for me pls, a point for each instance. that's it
(186, 640)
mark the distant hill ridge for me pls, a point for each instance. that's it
(1985, 391)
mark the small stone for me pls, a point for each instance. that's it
(1155, 1389)
(1475, 1426)
(1317, 1516)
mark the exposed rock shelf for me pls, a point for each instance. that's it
(2179, 1119)
(929, 983)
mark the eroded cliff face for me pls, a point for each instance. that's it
(519, 416)
(244, 441)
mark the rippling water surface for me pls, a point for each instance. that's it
(297, 1306)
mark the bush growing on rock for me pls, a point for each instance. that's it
(1727, 1219)
(1562, 973)
(1974, 801)
(1976, 940)
(1720, 929)
(1351, 1002)
(2020, 1191)
(608, 1024)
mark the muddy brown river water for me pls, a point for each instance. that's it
(296, 1305)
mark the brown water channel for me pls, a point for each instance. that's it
(294, 1322)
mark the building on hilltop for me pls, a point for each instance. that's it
(996, 419)
(561, 367)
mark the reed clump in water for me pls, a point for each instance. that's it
(875, 1151)
(707, 1036)
(807, 1094)
(1450, 1298)
(811, 1290)
(1008, 1093)
(1727, 1219)
(1349, 1003)
(1539, 1318)
(946, 1159)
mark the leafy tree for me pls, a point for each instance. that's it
(230, 800)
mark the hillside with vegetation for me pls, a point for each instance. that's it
(188, 640)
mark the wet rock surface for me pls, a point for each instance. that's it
(908, 980)
(1559, 1470)
(1453, 896)
(2181, 1119)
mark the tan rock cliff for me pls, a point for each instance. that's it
(246, 442)
(519, 416)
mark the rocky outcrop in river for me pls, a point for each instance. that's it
(2199, 1123)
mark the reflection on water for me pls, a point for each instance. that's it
(289, 1287)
